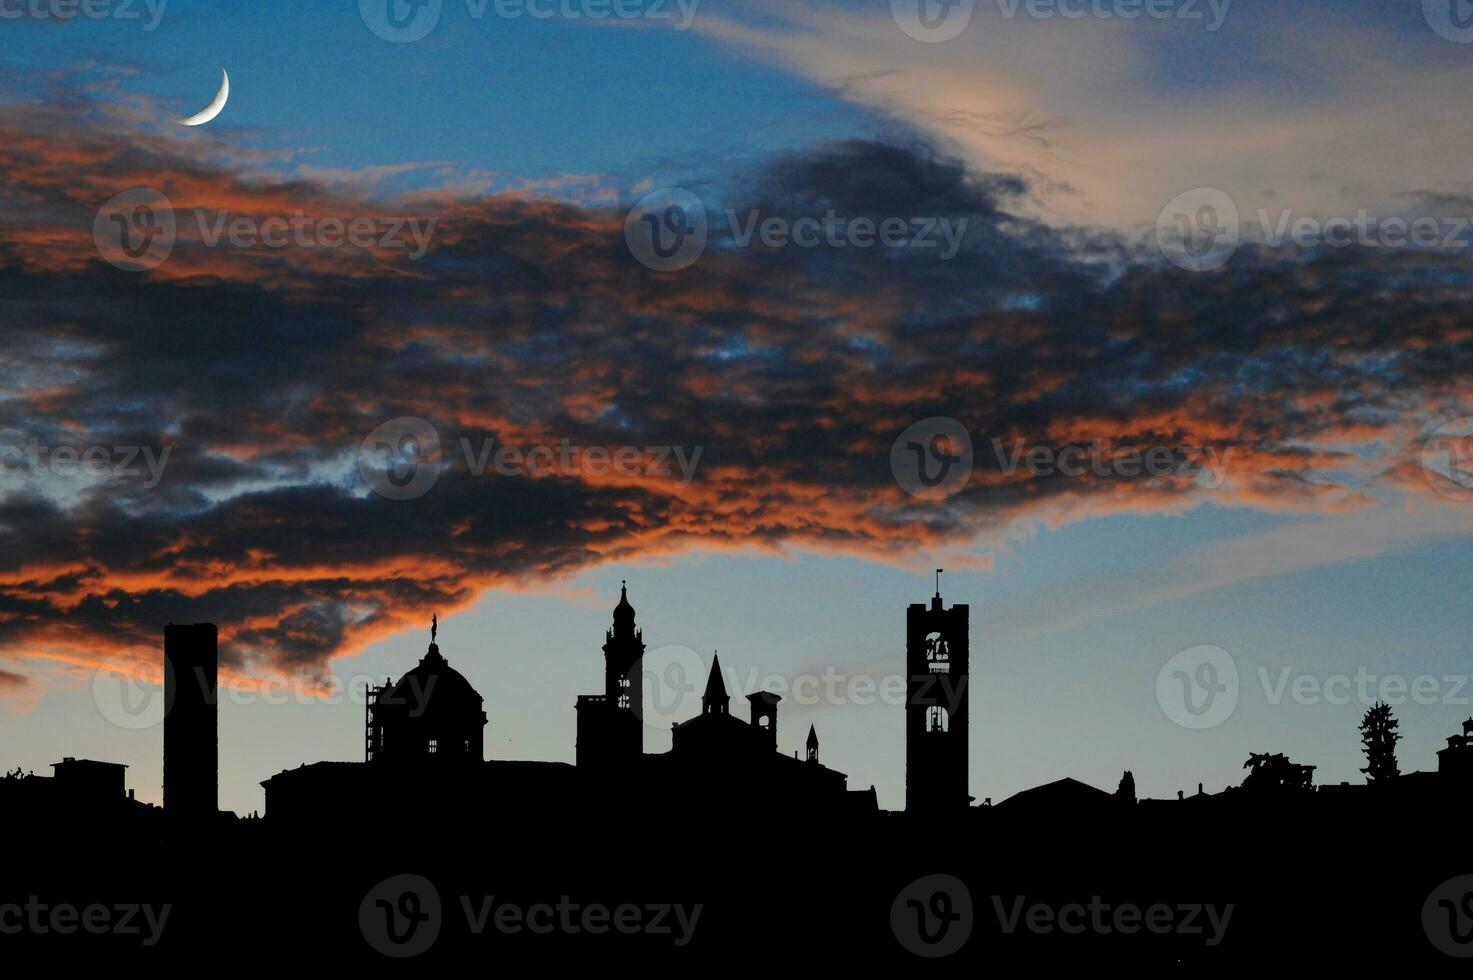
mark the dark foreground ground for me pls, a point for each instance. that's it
(673, 889)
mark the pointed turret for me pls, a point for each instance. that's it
(812, 744)
(715, 701)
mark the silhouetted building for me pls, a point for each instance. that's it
(1062, 796)
(715, 750)
(191, 720)
(764, 715)
(85, 780)
(1457, 759)
(936, 707)
(431, 715)
(610, 728)
(83, 793)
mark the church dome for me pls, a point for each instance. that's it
(434, 680)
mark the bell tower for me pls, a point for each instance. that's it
(611, 725)
(623, 649)
(937, 692)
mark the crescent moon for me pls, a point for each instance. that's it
(214, 108)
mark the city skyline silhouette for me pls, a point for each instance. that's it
(886, 482)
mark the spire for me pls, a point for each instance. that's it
(434, 625)
(623, 612)
(715, 700)
(812, 744)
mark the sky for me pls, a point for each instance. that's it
(763, 385)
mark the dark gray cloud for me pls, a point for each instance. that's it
(528, 323)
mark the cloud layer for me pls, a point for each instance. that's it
(528, 323)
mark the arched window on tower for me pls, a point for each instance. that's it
(937, 719)
(938, 654)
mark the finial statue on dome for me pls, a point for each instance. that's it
(434, 625)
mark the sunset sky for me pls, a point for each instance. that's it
(1316, 373)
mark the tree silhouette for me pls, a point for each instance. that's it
(1379, 736)
(1274, 772)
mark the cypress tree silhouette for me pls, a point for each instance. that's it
(1379, 736)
